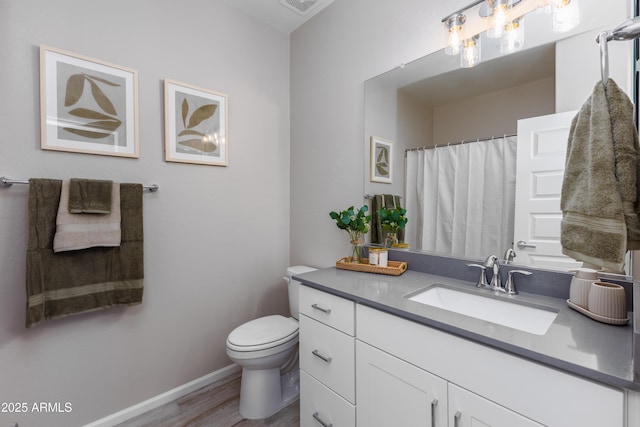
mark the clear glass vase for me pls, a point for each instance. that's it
(391, 239)
(356, 251)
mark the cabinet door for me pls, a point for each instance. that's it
(391, 392)
(470, 410)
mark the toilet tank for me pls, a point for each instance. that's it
(294, 286)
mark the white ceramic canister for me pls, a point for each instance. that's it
(608, 300)
(383, 257)
(581, 285)
(373, 256)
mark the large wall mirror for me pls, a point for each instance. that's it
(433, 102)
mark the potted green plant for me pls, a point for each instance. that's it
(356, 223)
(391, 221)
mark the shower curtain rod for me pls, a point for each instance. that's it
(406, 150)
(8, 182)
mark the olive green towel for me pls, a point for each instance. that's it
(66, 283)
(599, 199)
(91, 196)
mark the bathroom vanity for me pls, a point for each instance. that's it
(371, 356)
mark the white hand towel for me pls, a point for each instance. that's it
(82, 231)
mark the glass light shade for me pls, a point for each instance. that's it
(513, 36)
(470, 56)
(454, 34)
(565, 15)
(497, 10)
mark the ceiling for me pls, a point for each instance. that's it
(285, 15)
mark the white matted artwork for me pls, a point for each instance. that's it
(195, 125)
(381, 160)
(87, 105)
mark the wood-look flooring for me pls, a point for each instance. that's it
(213, 406)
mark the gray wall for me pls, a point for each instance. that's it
(331, 56)
(216, 238)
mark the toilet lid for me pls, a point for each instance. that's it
(265, 332)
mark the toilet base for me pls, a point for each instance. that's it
(263, 392)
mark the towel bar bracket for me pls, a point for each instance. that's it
(8, 182)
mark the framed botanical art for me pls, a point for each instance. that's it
(195, 125)
(87, 105)
(381, 160)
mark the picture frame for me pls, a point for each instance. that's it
(381, 153)
(87, 105)
(196, 123)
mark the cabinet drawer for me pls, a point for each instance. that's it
(329, 356)
(320, 405)
(329, 309)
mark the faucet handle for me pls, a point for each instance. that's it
(509, 255)
(510, 288)
(491, 261)
(482, 279)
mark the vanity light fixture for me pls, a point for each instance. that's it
(454, 25)
(470, 56)
(565, 15)
(504, 21)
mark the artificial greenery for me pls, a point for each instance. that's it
(392, 220)
(356, 223)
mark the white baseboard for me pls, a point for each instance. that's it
(166, 397)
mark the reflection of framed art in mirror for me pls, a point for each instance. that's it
(381, 160)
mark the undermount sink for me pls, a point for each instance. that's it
(527, 318)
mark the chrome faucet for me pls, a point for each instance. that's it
(495, 285)
(492, 263)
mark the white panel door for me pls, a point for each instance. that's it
(470, 410)
(542, 146)
(392, 392)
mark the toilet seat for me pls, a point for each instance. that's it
(263, 333)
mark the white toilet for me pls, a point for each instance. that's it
(267, 350)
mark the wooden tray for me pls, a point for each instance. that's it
(393, 268)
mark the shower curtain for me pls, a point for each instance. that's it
(460, 199)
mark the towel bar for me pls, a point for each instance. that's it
(8, 182)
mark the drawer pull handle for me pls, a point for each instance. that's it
(316, 417)
(434, 404)
(324, 310)
(456, 419)
(326, 359)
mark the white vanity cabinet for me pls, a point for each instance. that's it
(364, 367)
(394, 392)
(327, 359)
(487, 386)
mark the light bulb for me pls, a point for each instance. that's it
(454, 36)
(565, 15)
(513, 36)
(497, 9)
(470, 56)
